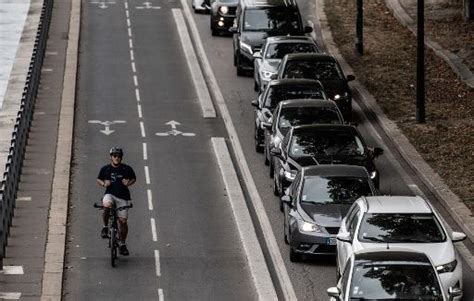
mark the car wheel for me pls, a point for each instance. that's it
(240, 70)
(214, 32)
(258, 147)
(294, 257)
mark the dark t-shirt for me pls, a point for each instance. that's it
(115, 175)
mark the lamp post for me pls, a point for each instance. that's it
(360, 27)
(420, 64)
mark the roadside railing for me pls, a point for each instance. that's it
(16, 153)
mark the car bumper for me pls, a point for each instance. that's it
(313, 244)
(452, 280)
(246, 60)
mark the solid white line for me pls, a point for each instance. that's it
(128, 22)
(130, 43)
(140, 115)
(145, 153)
(142, 129)
(132, 56)
(147, 175)
(150, 199)
(153, 229)
(135, 80)
(248, 237)
(134, 68)
(157, 263)
(137, 94)
(202, 91)
(281, 272)
(161, 297)
(129, 32)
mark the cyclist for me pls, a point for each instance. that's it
(116, 177)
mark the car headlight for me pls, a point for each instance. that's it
(343, 96)
(246, 47)
(266, 74)
(290, 175)
(447, 268)
(224, 9)
(373, 174)
(310, 227)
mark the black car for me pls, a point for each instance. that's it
(222, 15)
(308, 145)
(279, 90)
(258, 19)
(266, 62)
(315, 204)
(290, 113)
(326, 69)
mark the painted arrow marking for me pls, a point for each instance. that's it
(147, 5)
(106, 131)
(174, 131)
(103, 4)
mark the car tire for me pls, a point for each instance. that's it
(281, 205)
(214, 32)
(294, 257)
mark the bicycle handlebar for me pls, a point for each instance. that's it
(116, 209)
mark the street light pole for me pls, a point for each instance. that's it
(360, 27)
(420, 64)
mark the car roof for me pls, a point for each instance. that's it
(289, 39)
(257, 3)
(336, 170)
(320, 57)
(397, 204)
(308, 103)
(295, 81)
(322, 127)
(393, 254)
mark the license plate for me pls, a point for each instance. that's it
(331, 241)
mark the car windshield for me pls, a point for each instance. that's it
(334, 190)
(280, 93)
(319, 70)
(401, 228)
(394, 281)
(307, 115)
(279, 50)
(326, 143)
(272, 19)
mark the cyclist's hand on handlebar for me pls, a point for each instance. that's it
(107, 183)
(125, 182)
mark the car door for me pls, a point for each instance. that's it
(344, 249)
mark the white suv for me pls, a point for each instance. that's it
(400, 221)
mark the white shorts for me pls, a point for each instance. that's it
(109, 200)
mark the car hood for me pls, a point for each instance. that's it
(333, 87)
(271, 65)
(254, 38)
(326, 215)
(439, 253)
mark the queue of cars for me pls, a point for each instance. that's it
(387, 247)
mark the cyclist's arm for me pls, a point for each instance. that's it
(130, 182)
(103, 183)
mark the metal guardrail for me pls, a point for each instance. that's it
(11, 175)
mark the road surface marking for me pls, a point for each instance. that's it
(200, 86)
(126, 5)
(129, 31)
(24, 199)
(128, 22)
(147, 175)
(161, 297)
(137, 94)
(10, 296)
(150, 199)
(153, 229)
(145, 153)
(47, 69)
(134, 68)
(174, 131)
(140, 115)
(127, 14)
(107, 131)
(130, 43)
(142, 129)
(12, 270)
(135, 81)
(157, 263)
(51, 53)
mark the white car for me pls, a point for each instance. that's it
(396, 274)
(401, 221)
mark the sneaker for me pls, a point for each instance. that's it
(123, 250)
(105, 232)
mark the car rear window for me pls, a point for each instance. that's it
(279, 50)
(334, 190)
(277, 19)
(401, 228)
(326, 143)
(319, 70)
(307, 115)
(280, 93)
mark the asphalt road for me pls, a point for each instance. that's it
(196, 242)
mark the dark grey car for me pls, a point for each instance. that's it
(315, 204)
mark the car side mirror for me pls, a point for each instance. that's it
(286, 199)
(344, 237)
(274, 76)
(377, 152)
(458, 236)
(308, 29)
(334, 292)
(454, 292)
(257, 55)
(233, 29)
(350, 77)
(254, 103)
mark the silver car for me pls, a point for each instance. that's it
(401, 221)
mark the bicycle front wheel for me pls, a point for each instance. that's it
(113, 246)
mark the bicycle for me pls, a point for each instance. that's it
(113, 229)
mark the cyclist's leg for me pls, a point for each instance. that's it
(122, 219)
(107, 201)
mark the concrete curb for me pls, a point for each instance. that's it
(56, 240)
(453, 60)
(457, 209)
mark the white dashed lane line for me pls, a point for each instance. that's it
(134, 68)
(142, 129)
(140, 114)
(135, 80)
(132, 55)
(157, 263)
(145, 152)
(161, 297)
(137, 94)
(150, 199)
(147, 175)
(153, 229)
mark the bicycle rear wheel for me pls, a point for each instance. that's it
(113, 246)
